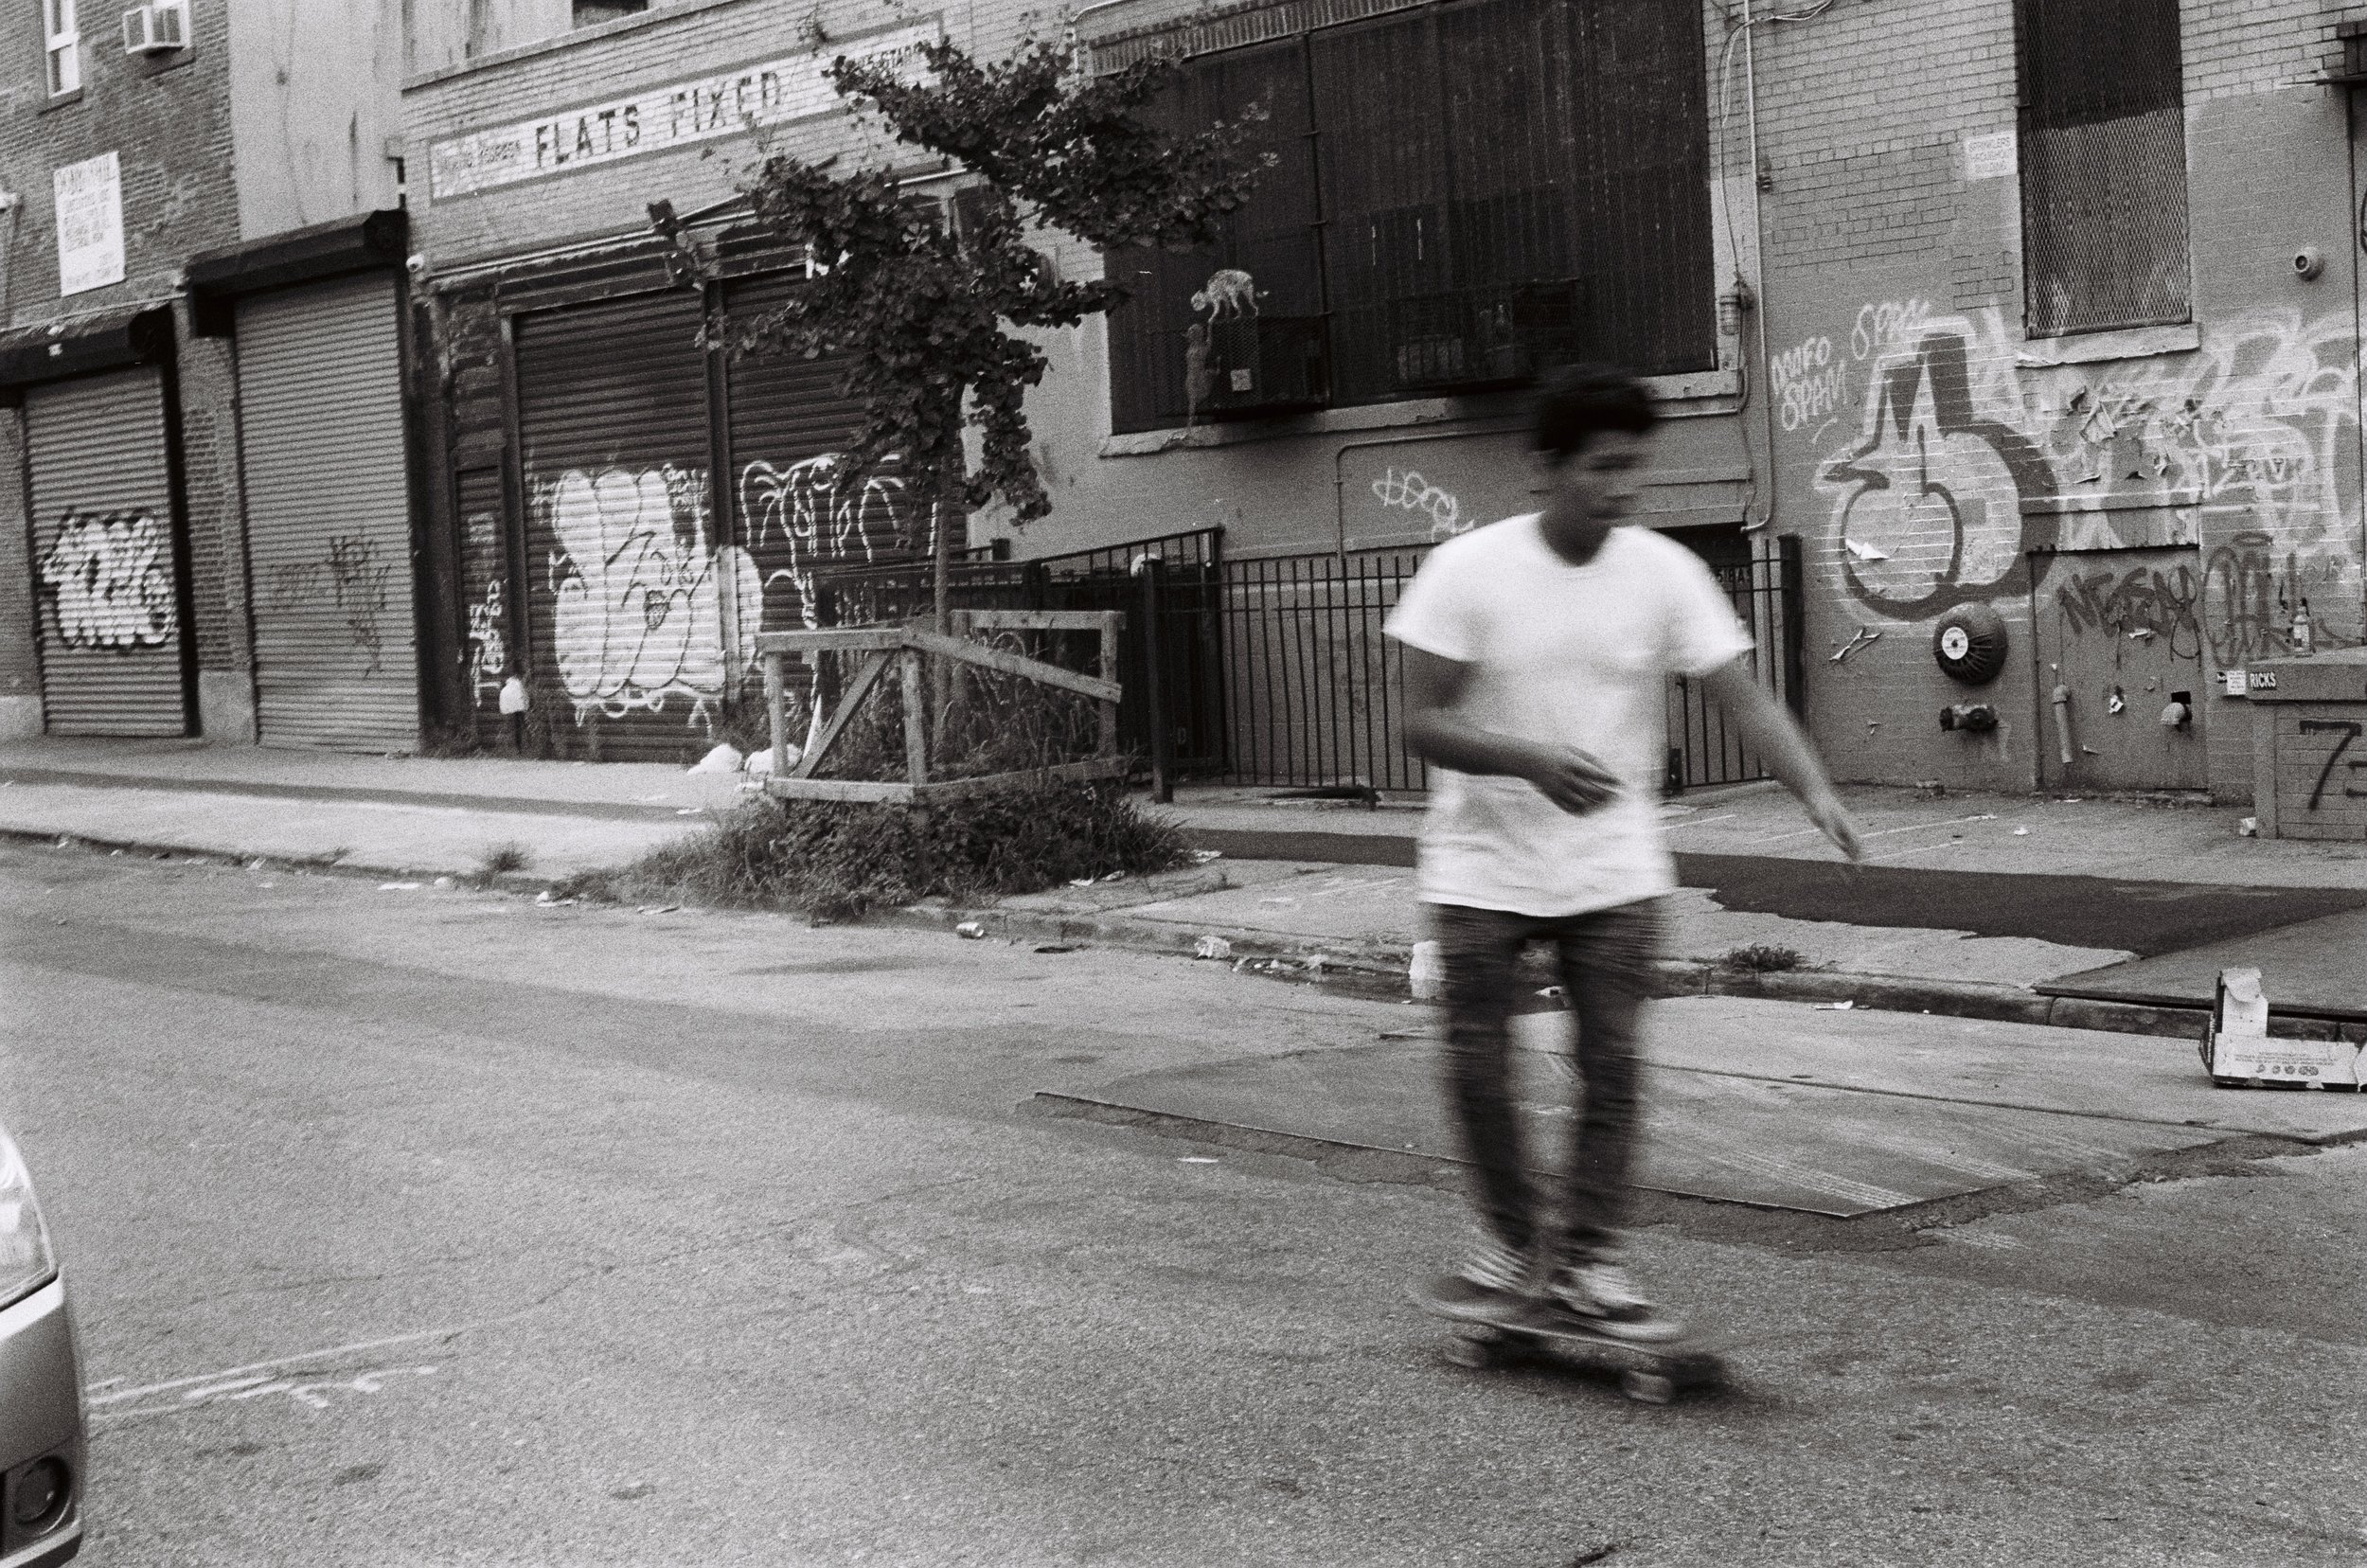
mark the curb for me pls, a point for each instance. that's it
(498, 882)
(1379, 972)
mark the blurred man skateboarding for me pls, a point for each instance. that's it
(1537, 656)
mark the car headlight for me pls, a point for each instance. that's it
(26, 1260)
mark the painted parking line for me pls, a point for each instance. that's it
(231, 1377)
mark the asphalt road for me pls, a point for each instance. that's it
(412, 1226)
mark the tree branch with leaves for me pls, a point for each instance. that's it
(929, 321)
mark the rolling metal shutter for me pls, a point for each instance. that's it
(786, 421)
(628, 586)
(329, 520)
(112, 648)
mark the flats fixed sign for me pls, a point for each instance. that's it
(680, 114)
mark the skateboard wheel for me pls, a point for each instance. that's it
(1649, 1388)
(1471, 1351)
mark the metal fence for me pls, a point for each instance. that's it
(1274, 670)
(1316, 693)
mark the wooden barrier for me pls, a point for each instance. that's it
(903, 647)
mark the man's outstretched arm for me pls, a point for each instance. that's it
(1769, 731)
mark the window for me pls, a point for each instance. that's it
(590, 11)
(2103, 166)
(61, 42)
(1465, 194)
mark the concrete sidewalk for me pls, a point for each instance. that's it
(1942, 919)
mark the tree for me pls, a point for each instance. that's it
(924, 314)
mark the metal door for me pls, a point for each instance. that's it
(328, 517)
(2119, 635)
(788, 423)
(628, 582)
(114, 652)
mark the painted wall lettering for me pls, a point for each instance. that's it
(684, 114)
(110, 582)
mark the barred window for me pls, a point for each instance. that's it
(2103, 166)
(1464, 194)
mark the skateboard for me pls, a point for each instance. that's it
(1490, 1333)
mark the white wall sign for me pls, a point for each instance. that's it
(1989, 157)
(773, 92)
(90, 223)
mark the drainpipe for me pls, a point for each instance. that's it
(1758, 224)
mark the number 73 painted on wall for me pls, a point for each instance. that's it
(2349, 730)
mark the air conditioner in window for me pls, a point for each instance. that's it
(1256, 363)
(157, 27)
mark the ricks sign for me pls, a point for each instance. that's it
(776, 92)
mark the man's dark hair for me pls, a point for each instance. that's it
(1578, 402)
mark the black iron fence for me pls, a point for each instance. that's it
(1316, 693)
(1274, 670)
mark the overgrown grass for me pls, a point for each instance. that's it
(837, 862)
(509, 855)
(1764, 958)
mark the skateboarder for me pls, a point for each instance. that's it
(1537, 653)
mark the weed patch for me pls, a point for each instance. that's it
(836, 861)
(1764, 958)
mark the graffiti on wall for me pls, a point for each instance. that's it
(1810, 383)
(797, 515)
(1963, 430)
(488, 652)
(1410, 491)
(2143, 601)
(639, 589)
(358, 582)
(348, 577)
(109, 577)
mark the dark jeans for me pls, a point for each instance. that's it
(1606, 957)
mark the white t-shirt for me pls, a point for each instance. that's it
(1574, 655)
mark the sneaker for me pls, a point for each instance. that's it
(1493, 1266)
(1605, 1297)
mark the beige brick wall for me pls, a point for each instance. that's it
(2243, 444)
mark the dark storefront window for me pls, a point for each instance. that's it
(1463, 194)
(2103, 166)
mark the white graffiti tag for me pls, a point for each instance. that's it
(1411, 493)
(800, 511)
(1808, 383)
(489, 653)
(638, 591)
(111, 577)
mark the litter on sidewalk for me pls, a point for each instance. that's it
(2239, 1054)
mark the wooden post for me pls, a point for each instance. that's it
(916, 720)
(1111, 621)
(776, 708)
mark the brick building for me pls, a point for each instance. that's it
(2010, 350)
(200, 377)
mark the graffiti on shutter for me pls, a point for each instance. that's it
(794, 519)
(637, 589)
(110, 581)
